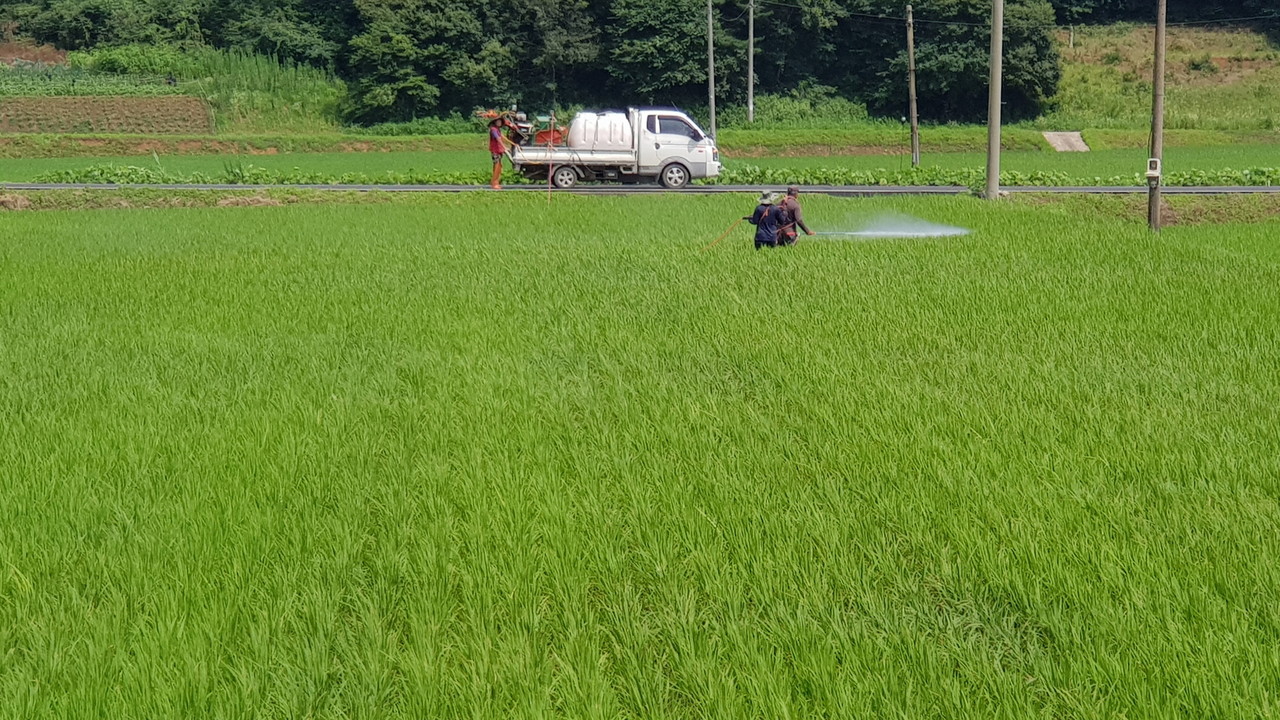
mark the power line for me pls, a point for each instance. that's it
(1272, 16)
(1056, 26)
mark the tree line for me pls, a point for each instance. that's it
(405, 59)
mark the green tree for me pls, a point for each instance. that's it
(864, 56)
(280, 28)
(556, 46)
(417, 58)
(82, 24)
(657, 49)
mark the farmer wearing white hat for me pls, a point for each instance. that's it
(765, 218)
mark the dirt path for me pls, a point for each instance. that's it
(1066, 141)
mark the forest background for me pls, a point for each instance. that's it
(402, 60)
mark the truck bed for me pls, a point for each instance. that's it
(534, 155)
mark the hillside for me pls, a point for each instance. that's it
(1216, 79)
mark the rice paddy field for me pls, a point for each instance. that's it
(490, 456)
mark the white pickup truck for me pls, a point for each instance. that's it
(643, 143)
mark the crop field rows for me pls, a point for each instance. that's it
(176, 115)
(60, 82)
(487, 456)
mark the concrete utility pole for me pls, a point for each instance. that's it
(911, 89)
(993, 102)
(751, 61)
(711, 67)
(1157, 124)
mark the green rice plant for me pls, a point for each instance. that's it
(489, 456)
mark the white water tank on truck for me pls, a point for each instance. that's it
(600, 131)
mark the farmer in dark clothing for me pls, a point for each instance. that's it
(790, 217)
(765, 218)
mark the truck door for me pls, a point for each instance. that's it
(669, 137)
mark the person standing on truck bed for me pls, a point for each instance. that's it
(765, 218)
(497, 149)
(790, 216)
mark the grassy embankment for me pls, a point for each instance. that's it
(484, 456)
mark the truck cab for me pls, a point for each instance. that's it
(673, 148)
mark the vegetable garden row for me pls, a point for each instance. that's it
(137, 115)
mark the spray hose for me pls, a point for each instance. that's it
(724, 235)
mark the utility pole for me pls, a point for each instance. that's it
(993, 100)
(1154, 169)
(711, 67)
(751, 61)
(911, 89)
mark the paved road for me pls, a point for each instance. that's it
(837, 190)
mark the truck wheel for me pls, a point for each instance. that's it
(675, 176)
(565, 177)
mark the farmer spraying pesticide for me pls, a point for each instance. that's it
(790, 216)
(765, 218)
(775, 219)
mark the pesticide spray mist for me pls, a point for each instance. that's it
(893, 225)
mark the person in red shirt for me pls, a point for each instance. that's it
(497, 149)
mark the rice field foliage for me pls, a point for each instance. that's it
(489, 457)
